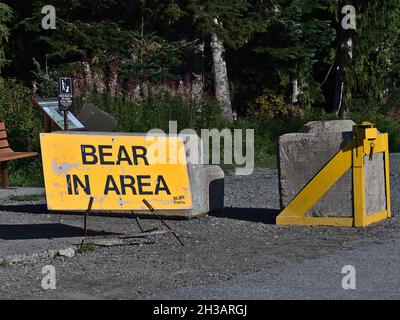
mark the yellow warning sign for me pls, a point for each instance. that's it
(118, 171)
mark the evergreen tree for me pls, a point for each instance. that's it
(296, 42)
(5, 16)
(374, 73)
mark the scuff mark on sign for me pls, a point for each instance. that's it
(62, 169)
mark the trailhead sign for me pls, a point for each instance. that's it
(117, 170)
(66, 93)
(51, 107)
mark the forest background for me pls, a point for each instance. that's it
(267, 65)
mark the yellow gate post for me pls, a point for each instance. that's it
(366, 141)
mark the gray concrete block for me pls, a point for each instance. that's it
(207, 186)
(375, 184)
(216, 187)
(302, 155)
(206, 182)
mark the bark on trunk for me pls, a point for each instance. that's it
(197, 90)
(295, 92)
(221, 77)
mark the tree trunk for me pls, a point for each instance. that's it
(295, 92)
(221, 77)
(197, 90)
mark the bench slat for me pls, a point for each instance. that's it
(16, 155)
(6, 151)
(3, 135)
(3, 144)
(2, 126)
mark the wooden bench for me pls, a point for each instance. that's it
(7, 154)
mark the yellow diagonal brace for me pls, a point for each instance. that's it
(317, 187)
(359, 205)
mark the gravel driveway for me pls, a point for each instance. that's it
(230, 245)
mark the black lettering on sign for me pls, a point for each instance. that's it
(123, 156)
(161, 186)
(105, 154)
(142, 184)
(111, 186)
(69, 185)
(139, 152)
(77, 183)
(89, 151)
(127, 182)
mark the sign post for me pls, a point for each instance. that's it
(65, 97)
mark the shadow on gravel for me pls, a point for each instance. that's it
(267, 216)
(44, 231)
(26, 208)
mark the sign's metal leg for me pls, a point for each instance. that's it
(65, 120)
(138, 223)
(85, 219)
(148, 205)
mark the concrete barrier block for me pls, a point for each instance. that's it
(302, 155)
(375, 184)
(206, 182)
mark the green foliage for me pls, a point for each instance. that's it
(374, 72)
(231, 20)
(154, 59)
(4, 263)
(24, 124)
(269, 43)
(296, 41)
(46, 81)
(87, 247)
(147, 57)
(5, 17)
(275, 106)
(157, 111)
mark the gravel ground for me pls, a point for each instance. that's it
(234, 243)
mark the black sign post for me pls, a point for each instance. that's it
(65, 97)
